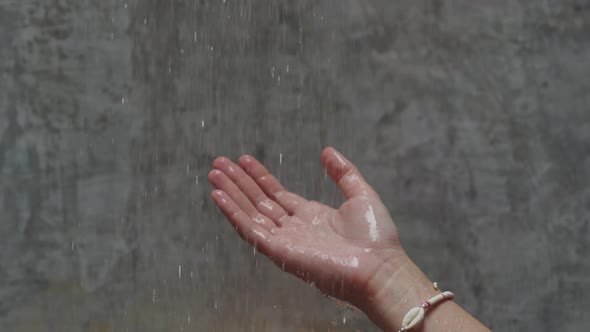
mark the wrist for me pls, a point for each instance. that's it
(397, 286)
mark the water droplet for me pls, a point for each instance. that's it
(266, 204)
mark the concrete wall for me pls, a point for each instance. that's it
(470, 118)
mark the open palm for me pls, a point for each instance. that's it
(338, 250)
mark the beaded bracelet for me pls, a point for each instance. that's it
(416, 315)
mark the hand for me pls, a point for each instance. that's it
(340, 251)
(352, 253)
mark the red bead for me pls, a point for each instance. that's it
(426, 305)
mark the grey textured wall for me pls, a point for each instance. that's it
(471, 118)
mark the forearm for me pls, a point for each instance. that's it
(395, 290)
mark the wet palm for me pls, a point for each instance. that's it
(338, 250)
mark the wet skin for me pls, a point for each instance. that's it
(338, 250)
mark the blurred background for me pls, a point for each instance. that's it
(470, 118)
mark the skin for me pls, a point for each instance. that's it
(352, 253)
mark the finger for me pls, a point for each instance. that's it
(253, 233)
(220, 181)
(345, 174)
(270, 185)
(265, 205)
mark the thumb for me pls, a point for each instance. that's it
(345, 174)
